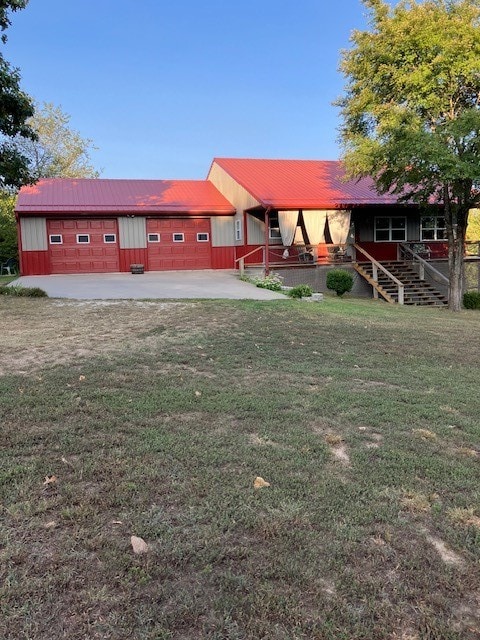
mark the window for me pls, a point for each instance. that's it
(109, 237)
(83, 238)
(202, 237)
(154, 237)
(56, 239)
(390, 229)
(432, 228)
(178, 237)
(274, 228)
(238, 229)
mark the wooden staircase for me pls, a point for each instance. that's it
(416, 291)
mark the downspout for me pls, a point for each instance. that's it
(267, 238)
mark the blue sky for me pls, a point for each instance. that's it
(163, 87)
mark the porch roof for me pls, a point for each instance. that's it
(302, 184)
(84, 196)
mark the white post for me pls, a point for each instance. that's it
(401, 291)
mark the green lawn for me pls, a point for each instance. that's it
(156, 417)
(6, 279)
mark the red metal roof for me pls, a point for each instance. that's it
(301, 184)
(60, 195)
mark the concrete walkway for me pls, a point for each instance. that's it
(153, 284)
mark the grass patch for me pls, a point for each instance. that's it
(6, 279)
(156, 418)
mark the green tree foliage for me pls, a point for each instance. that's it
(15, 109)
(8, 227)
(411, 115)
(57, 151)
(473, 229)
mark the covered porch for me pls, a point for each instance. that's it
(295, 238)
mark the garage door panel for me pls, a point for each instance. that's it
(170, 255)
(97, 256)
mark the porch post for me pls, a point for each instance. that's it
(267, 229)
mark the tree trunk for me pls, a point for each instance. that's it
(456, 218)
(456, 273)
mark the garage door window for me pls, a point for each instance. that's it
(109, 237)
(83, 238)
(178, 237)
(56, 239)
(202, 237)
(154, 237)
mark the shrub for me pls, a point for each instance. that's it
(340, 281)
(471, 300)
(301, 291)
(272, 282)
(17, 290)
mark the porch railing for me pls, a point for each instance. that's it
(241, 261)
(405, 252)
(376, 267)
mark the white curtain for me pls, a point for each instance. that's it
(339, 226)
(287, 221)
(314, 221)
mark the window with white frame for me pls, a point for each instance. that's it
(56, 238)
(202, 237)
(179, 237)
(432, 228)
(390, 229)
(274, 227)
(108, 238)
(238, 229)
(153, 237)
(83, 238)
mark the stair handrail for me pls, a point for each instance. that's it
(377, 266)
(423, 264)
(241, 260)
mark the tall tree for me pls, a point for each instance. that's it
(58, 151)
(411, 110)
(15, 109)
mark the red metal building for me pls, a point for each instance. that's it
(246, 207)
(98, 226)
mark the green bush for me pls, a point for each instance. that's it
(471, 300)
(301, 291)
(17, 290)
(340, 281)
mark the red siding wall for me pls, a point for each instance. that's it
(132, 256)
(378, 250)
(223, 257)
(34, 263)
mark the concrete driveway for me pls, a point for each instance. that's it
(153, 284)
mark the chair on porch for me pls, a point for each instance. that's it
(9, 267)
(305, 255)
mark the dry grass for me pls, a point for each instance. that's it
(155, 418)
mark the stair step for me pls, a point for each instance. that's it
(416, 291)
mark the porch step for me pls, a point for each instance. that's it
(416, 291)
